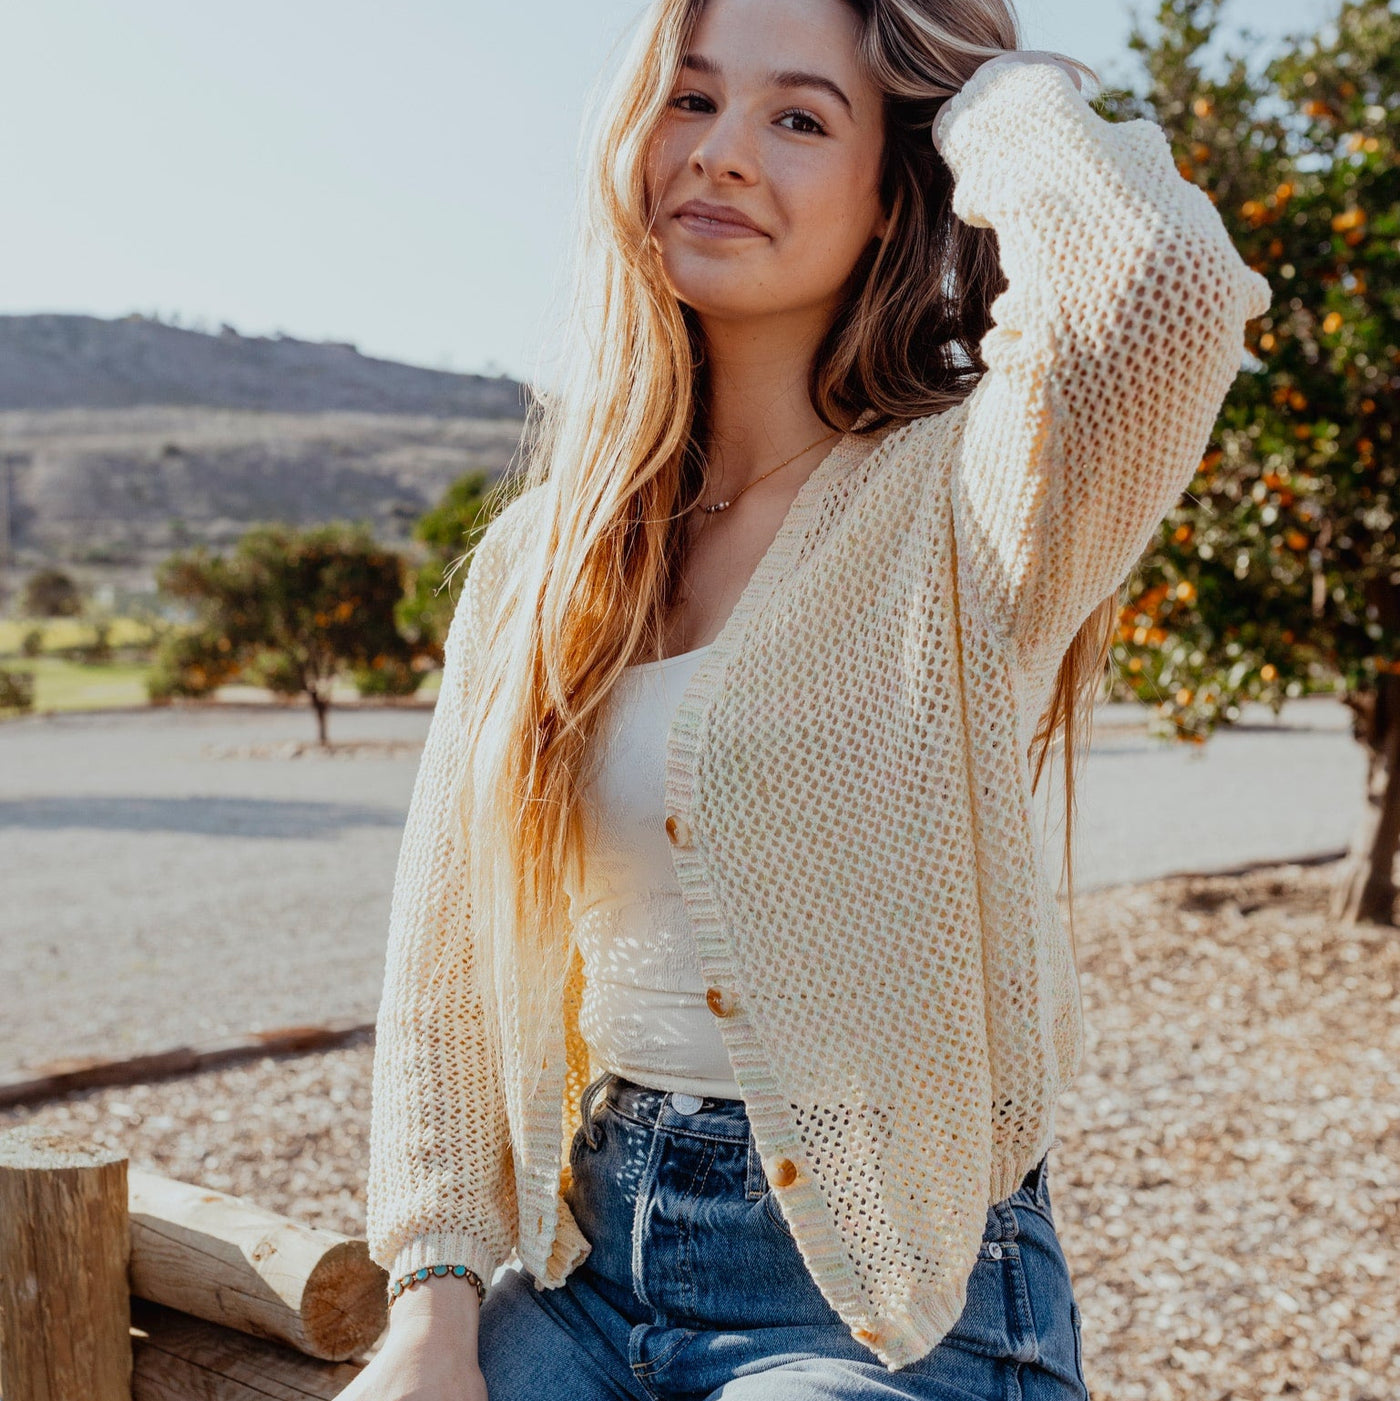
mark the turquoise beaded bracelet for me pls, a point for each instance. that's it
(414, 1276)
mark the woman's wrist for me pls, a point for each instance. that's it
(437, 1300)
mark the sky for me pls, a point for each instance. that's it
(401, 177)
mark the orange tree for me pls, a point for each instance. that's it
(1277, 573)
(288, 609)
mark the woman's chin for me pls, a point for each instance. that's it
(728, 296)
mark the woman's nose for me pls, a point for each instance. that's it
(726, 149)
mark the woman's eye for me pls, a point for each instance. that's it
(813, 127)
(816, 128)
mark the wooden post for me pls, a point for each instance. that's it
(232, 1262)
(65, 1308)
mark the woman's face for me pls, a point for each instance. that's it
(769, 120)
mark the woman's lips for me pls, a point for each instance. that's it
(716, 228)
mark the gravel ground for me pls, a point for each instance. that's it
(1227, 1182)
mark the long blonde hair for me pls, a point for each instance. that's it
(617, 452)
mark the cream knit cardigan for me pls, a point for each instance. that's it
(847, 780)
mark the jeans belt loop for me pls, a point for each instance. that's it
(590, 1095)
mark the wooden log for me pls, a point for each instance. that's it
(57, 1077)
(231, 1262)
(179, 1358)
(64, 1246)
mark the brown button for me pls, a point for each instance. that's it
(678, 830)
(866, 1335)
(719, 1001)
(784, 1173)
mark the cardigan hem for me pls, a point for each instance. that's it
(910, 1334)
(1009, 1172)
(570, 1247)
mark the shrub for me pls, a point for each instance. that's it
(16, 690)
(387, 676)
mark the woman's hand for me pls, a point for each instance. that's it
(429, 1353)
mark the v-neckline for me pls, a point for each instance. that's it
(772, 564)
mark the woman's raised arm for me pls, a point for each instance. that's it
(1114, 344)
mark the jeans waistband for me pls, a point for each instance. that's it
(715, 1117)
(712, 1117)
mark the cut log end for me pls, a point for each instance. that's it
(346, 1305)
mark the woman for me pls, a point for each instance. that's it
(727, 995)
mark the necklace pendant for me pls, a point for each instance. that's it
(715, 506)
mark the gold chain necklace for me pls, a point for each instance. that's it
(725, 505)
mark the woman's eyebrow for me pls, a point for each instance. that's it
(779, 78)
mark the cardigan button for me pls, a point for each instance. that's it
(720, 1001)
(784, 1173)
(678, 830)
(866, 1335)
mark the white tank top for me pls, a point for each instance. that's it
(643, 1013)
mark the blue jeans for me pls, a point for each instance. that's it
(694, 1287)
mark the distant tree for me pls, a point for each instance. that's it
(50, 593)
(288, 609)
(449, 530)
(1278, 572)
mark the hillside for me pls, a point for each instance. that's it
(61, 362)
(121, 441)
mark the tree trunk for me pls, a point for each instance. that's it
(1365, 891)
(322, 706)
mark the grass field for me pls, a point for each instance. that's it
(62, 683)
(69, 632)
(65, 685)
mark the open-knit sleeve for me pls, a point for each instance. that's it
(441, 1186)
(1113, 346)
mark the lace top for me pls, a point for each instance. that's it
(643, 1012)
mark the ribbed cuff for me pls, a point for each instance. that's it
(445, 1248)
(983, 77)
(963, 96)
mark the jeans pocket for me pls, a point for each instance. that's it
(996, 1320)
(774, 1212)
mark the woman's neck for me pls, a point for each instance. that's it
(758, 408)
